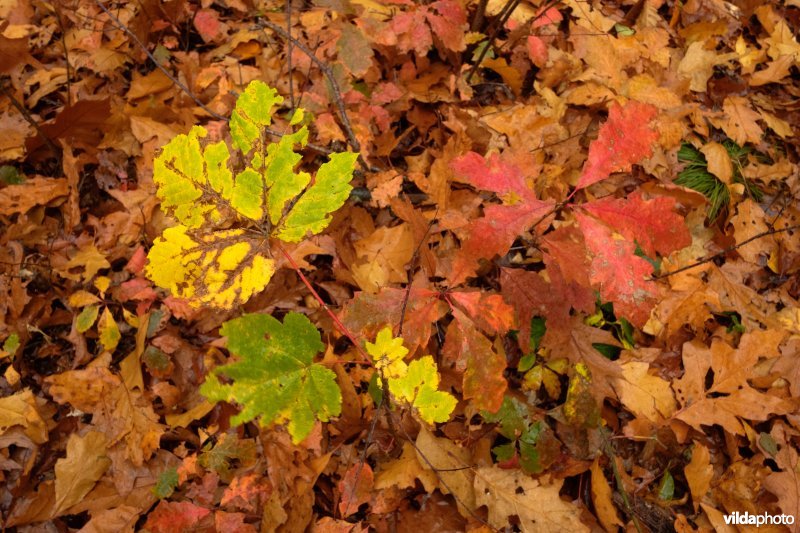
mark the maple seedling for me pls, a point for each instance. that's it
(415, 384)
(227, 213)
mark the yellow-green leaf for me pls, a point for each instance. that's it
(331, 187)
(419, 387)
(275, 377)
(82, 298)
(86, 318)
(387, 353)
(230, 204)
(108, 330)
(416, 384)
(220, 268)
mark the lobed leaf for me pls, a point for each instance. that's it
(275, 377)
(419, 387)
(416, 384)
(219, 268)
(204, 187)
(328, 193)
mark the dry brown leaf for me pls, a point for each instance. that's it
(643, 393)
(35, 191)
(452, 465)
(77, 474)
(719, 162)
(540, 509)
(602, 499)
(699, 473)
(20, 410)
(404, 471)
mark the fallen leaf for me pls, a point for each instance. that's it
(77, 474)
(539, 508)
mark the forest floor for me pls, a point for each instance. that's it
(585, 212)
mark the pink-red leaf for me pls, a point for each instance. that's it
(449, 23)
(494, 233)
(624, 139)
(621, 276)
(207, 24)
(356, 488)
(653, 224)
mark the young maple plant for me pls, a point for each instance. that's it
(218, 254)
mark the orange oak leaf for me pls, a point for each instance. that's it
(624, 139)
(730, 397)
(168, 517)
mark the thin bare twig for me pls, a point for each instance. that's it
(328, 72)
(725, 251)
(502, 18)
(289, 45)
(30, 120)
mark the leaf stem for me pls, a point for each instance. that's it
(338, 323)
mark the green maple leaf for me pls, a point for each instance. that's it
(229, 205)
(275, 377)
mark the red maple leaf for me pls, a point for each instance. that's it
(483, 367)
(502, 224)
(621, 276)
(624, 139)
(653, 224)
(489, 311)
(532, 295)
(168, 517)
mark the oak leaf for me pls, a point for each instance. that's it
(451, 464)
(77, 473)
(539, 507)
(120, 413)
(727, 401)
